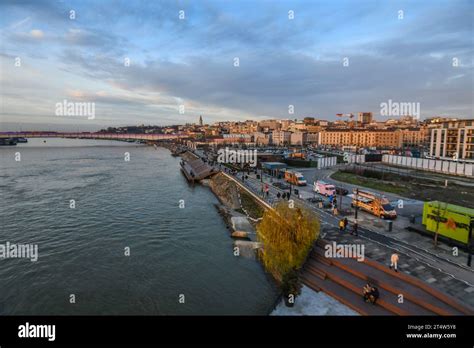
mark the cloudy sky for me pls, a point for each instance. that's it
(394, 50)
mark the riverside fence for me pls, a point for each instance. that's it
(432, 165)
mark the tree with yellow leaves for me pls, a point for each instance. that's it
(287, 234)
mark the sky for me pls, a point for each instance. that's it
(320, 57)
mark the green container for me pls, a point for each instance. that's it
(454, 220)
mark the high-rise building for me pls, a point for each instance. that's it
(200, 120)
(452, 139)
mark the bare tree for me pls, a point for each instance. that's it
(439, 215)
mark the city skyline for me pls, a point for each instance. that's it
(139, 62)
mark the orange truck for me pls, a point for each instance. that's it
(295, 178)
(374, 204)
(299, 155)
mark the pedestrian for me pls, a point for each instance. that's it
(278, 195)
(394, 261)
(366, 291)
(283, 196)
(346, 222)
(341, 225)
(374, 295)
(355, 228)
(288, 194)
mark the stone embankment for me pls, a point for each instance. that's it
(240, 212)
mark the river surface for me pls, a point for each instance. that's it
(119, 204)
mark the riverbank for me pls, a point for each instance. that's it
(309, 302)
(242, 212)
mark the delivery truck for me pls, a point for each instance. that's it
(323, 188)
(295, 178)
(373, 203)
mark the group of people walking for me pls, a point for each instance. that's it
(284, 195)
(343, 223)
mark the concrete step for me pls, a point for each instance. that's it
(311, 268)
(387, 279)
(343, 295)
(386, 300)
(320, 258)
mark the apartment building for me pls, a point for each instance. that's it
(363, 138)
(281, 137)
(269, 125)
(452, 139)
(285, 124)
(243, 127)
(262, 138)
(312, 138)
(414, 136)
(298, 138)
(297, 127)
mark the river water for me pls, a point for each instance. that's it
(119, 206)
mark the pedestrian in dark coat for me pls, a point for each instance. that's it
(355, 229)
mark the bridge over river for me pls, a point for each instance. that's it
(89, 135)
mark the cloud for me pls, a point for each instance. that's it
(282, 61)
(20, 23)
(31, 37)
(36, 34)
(100, 40)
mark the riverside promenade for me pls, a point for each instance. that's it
(418, 296)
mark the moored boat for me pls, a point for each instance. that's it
(7, 142)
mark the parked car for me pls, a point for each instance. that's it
(314, 199)
(281, 185)
(341, 191)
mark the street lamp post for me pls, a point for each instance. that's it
(356, 203)
(340, 201)
(469, 243)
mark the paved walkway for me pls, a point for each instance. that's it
(310, 302)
